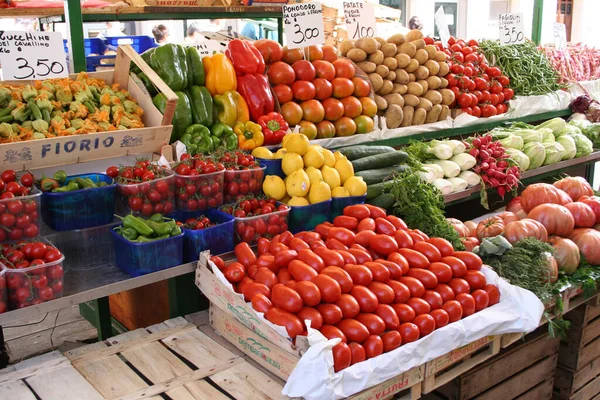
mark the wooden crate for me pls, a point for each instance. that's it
(522, 371)
(49, 376)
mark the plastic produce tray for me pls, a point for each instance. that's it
(218, 239)
(306, 218)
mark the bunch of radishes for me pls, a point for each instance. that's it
(493, 164)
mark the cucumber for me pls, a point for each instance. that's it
(375, 190)
(385, 201)
(379, 161)
(356, 152)
(372, 176)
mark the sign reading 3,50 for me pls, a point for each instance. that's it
(303, 24)
(40, 68)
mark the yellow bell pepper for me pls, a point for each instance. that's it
(220, 75)
(243, 113)
(249, 135)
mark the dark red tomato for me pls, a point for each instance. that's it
(360, 255)
(301, 271)
(405, 312)
(385, 227)
(415, 259)
(330, 257)
(414, 285)
(493, 294)
(342, 277)
(267, 261)
(311, 314)
(284, 257)
(482, 299)
(380, 273)
(346, 236)
(331, 314)
(266, 277)
(348, 257)
(286, 237)
(344, 221)
(508, 93)
(427, 278)
(349, 306)
(292, 323)
(399, 259)
(383, 244)
(409, 332)
(373, 346)
(358, 211)
(286, 298)
(244, 254)
(388, 315)
(475, 279)
(298, 244)
(363, 237)
(467, 303)
(397, 222)
(394, 269)
(426, 324)
(471, 260)
(366, 298)
(419, 305)
(373, 322)
(342, 356)
(459, 269)
(434, 299)
(367, 224)
(459, 286)
(330, 289)
(263, 245)
(311, 259)
(311, 296)
(440, 317)
(444, 246)
(442, 271)
(358, 353)
(234, 272)
(331, 332)
(401, 292)
(376, 212)
(334, 244)
(403, 239)
(454, 310)
(360, 274)
(283, 276)
(445, 291)
(354, 330)
(9, 176)
(261, 303)
(384, 293)
(391, 341)
(415, 236)
(38, 250)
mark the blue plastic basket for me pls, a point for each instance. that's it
(144, 258)
(339, 203)
(218, 239)
(80, 209)
(273, 167)
(99, 46)
(139, 43)
(306, 218)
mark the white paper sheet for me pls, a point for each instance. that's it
(414, 129)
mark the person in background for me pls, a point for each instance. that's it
(193, 34)
(249, 31)
(415, 23)
(161, 34)
(112, 29)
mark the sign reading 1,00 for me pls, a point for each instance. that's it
(40, 68)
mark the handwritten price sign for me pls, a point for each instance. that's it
(442, 25)
(360, 19)
(209, 47)
(511, 29)
(303, 24)
(32, 55)
(560, 36)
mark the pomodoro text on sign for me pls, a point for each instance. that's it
(300, 10)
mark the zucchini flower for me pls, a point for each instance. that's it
(105, 108)
(95, 92)
(78, 109)
(58, 124)
(39, 135)
(39, 125)
(106, 126)
(77, 123)
(28, 93)
(45, 105)
(64, 94)
(46, 85)
(21, 112)
(129, 121)
(133, 108)
(48, 93)
(100, 116)
(5, 95)
(115, 100)
(6, 131)
(88, 127)
(27, 125)
(68, 132)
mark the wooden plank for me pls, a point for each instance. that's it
(243, 381)
(63, 383)
(578, 337)
(575, 360)
(541, 391)
(567, 382)
(581, 316)
(588, 391)
(16, 390)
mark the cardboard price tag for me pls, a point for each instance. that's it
(32, 55)
(303, 24)
(560, 36)
(511, 29)
(208, 47)
(360, 19)
(442, 25)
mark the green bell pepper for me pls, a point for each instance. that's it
(146, 57)
(170, 63)
(183, 113)
(202, 105)
(197, 140)
(219, 129)
(229, 141)
(225, 136)
(195, 67)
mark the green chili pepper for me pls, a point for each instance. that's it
(160, 228)
(176, 230)
(156, 218)
(144, 239)
(85, 183)
(70, 187)
(131, 221)
(129, 234)
(48, 184)
(60, 176)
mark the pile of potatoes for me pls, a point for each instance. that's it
(407, 76)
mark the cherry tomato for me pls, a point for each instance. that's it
(309, 292)
(388, 315)
(360, 274)
(366, 298)
(358, 353)
(315, 318)
(331, 332)
(409, 332)
(292, 323)
(342, 356)
(445, 291)
(330, 289)
(261, 303)
(467, 303)
(349, 306)
(419, 305)
(493, 294)
(414, 285)
(459, 269)
(415, 259)
(331, 314)
(454, 310)
(440, 317)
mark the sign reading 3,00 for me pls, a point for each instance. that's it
(303, 24)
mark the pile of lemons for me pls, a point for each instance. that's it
(313, 174)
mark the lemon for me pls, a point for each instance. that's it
(297, 143)
(291, 162)
(262, 152)
(340, 191)
(297, 201)
(285, 139)
(314, 175)
(345, 169)
(329, 158)
(319, 192)
(313, 158)
(274, 187)
(355, 186)
(331, 176)
(280, 153)
(297, 183)
(338, 156)
(316, 147)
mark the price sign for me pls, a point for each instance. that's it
(32, 55)
(303, 24)
(209, 47)
(511, 29)
(560, 36)
(360, 19)
(442, 25)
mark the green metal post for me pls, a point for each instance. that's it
(74, 21)
(280, 30)
(536, 30)
(97, 312)
(184, 297)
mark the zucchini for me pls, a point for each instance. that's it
(385, 201)
(379, 161)
(372, 176)
(375, 190)
(356, 152)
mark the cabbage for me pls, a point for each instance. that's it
(536, 154)
(583, 144)
(569, 144)
(557, 125)
(512, 142)
(529, 135)
(554, 153)
(547, 136)
(572, 130)
(520, 158)
(592, 131)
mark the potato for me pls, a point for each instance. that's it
(408, 116)
(382, 70)
(411, 100)
(424, 103)
(440, 56)
(433, 67)
(381, 103)
(346, 46)
(401, 76)
(433, 114)
(386, 88)
(376, 57)
(381, 41)
(400, 88)
(391, 63)
(444, 114)
(422, 72)
(357, 55)
(447, 96)
(368, 44)
(433, 96)
(414, 35)
(397, 39)
(419, 116)
(415, 88)
(391, 76)
(408, 48)
(393, 116)
(412, 66)
(431, 51)
(412, 77)
(421, 56)
(419, 43)
(443, 83)
(394, 98)
(424, 85)
(367, 66)
(403, 60)
(434, 82)
(376, 81)
(389, 49)
(444, 69)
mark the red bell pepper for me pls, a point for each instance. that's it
(246, 58)
(274, 127)
(255, 89)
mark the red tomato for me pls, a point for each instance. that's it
(471, 260)
(342, 356)
(284, 257)
(367, 224)
(399, 259)
(459, 269)
(334, 244)
(383, 244)
(380, 273)
(401, 292)
(391, 341)
(316, 320)
(311, 296)
(434, 299)
(346, 236)
(267, 261)
(330, 257)
(429, 250)
(403, 239)
(304, 70)
(359, 274)
(376, 212)
(286, 298)
(388, 315)
(442, 271)
(354, 330)
(405, 312)
(426, 324)
(374, 323)
(331, 332)
(445, 291)
(344, 221)
(283, 276)
(409, 332)
(444, 246)
(358, 353)
(454, 310)
(373, 346)
(363, 237)
(397, 222)
(459, 286)
(493, 294)
(298, 244)
(383, 226)
(261, 303)
(244, 254)
(292, 323)
(360, 255)
(331, 314)
(348, 257)
(414, 285)
(234, 272)
(427, 278)
(394, 269)
(301, 271)
(475, 279)
(366, 298)
(415, 259)
(349, 306)
(266, 277)
(340, 276)
(358, 211)
(311, 259)
(440, 317)
(419, 305)
(482, 299)
(384, 293)
(467, 303)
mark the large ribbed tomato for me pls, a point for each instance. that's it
(557, 219)
(566, 254)
(489, 227)
(542, 193)
(459, 227)
(594, 204)
(515, 206)
(583, 214)
(527, 227)
(588, 241)
(575, 187)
